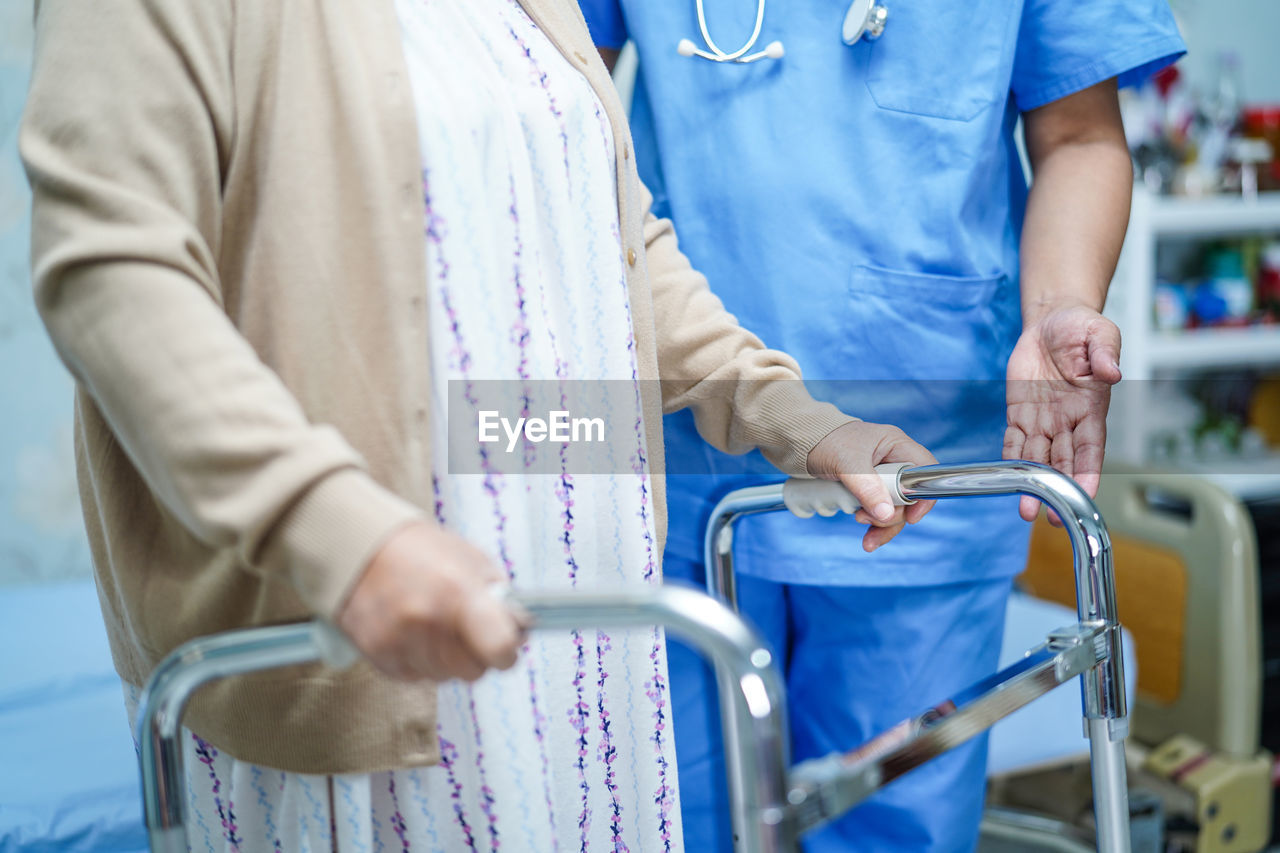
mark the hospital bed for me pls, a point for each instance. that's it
(68, 771)
(773, 803)
(1187, 583)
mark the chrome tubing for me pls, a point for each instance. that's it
(1102, 688)
(718, 545)
(718, 539)
(748, 686)
(822, 789)
(1104, 696)
(1106, 712)
(172, 685)
(718, 632)
(1090, 544)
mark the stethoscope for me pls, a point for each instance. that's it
(865, 17)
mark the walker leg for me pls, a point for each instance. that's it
(1110, 790)
(731, 733)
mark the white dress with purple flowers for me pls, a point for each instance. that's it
(570, 750)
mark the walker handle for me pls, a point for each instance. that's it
(758, 699)
(805, 497)
(336, 650)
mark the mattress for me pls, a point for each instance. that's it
(68, 771)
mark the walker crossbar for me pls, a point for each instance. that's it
(824, 788)
(821, 789)
(757, 697)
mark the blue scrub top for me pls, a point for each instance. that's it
(860, 208)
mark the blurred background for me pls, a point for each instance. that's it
(1193, 491)
(40, 530)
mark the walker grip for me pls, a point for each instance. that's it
(805, 497)
(336, 650)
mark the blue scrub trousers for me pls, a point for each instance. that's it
(848, 679)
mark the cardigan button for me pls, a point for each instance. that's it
(631, 257)
(421, 738)
(626, 151)
(580, 57)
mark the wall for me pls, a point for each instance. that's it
(1250, 28)
(41, 535)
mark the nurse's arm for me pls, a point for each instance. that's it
(1078, 208)
(610, 57)
(1062, 368)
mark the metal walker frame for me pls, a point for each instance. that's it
(822, 789)
(772, 803)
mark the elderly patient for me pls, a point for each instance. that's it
(268, 236)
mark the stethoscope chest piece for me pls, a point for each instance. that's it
(865, 17)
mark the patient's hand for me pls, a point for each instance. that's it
(850, 455)
(424, 609)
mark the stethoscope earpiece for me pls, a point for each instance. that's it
(865, 17)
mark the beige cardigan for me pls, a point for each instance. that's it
(228, 254)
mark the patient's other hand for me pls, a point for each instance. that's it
(424, 608)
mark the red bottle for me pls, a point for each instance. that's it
(1268, 291)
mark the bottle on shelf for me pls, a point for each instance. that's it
(1268, 290)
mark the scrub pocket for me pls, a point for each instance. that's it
(946, 60)
(920, 326)
(929, 354)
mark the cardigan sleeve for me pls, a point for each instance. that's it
(743, 395)
(126, 136)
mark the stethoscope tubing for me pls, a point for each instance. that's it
(866, 16)
(720, 55)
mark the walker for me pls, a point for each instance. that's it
(773, 803)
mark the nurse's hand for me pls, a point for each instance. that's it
(1059, 389)
(424, 609)
(850, 454)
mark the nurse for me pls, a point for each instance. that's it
(864, 207)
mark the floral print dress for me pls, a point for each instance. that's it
(571, 750)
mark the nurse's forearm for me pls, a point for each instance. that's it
(610, 57)
(1078, 207)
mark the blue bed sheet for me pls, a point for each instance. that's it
(68, 771)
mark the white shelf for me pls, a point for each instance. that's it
(1149, 353)
(1215, 215)
(1256, 345)
(1247, 479)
